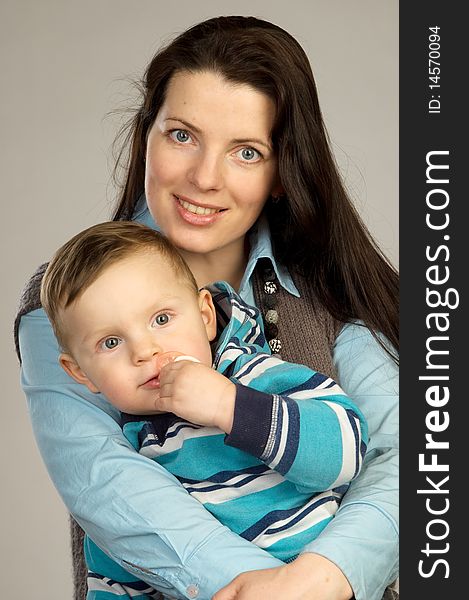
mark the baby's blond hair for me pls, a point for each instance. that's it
(80, 261)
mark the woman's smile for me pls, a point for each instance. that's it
(197, 208)
(196, 213)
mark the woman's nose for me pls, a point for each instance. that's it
(206, 171)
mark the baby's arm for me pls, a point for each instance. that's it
(295, 420)
(298, 422)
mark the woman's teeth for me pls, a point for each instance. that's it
(197, 210)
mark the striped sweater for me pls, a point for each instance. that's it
(297, 440)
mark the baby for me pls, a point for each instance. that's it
(267, 446)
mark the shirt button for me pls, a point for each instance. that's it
(192, 591)
(275, 346)
(271, 316)
(270, 287)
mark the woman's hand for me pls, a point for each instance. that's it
(309, 577)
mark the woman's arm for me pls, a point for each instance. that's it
(129, 505)
(362, 539)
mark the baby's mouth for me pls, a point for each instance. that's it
(153, 383)
(161, 361)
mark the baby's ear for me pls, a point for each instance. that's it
(208, 313)
(70, 366)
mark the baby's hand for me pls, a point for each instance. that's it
(196, 393)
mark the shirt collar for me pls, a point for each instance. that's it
(260, 247)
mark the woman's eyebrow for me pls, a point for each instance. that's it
(235, 141)
(252, 141)
(185, 123)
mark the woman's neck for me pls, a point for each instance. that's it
(223, 265)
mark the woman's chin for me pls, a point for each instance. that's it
(197, 244)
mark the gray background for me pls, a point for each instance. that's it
(64, 66)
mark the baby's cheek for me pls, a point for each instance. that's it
(119, 395)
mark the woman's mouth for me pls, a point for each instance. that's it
(195, 213)
(198, 210)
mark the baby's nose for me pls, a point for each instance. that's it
(146, 350)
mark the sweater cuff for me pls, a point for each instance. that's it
(251, 421)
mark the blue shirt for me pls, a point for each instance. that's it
(110, 489)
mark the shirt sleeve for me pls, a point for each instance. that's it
(309, 431)
(130, 506)
(362, 539)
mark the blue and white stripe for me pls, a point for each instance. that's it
(100, 588)
(177, 435)
(227, 486)
(282, 443)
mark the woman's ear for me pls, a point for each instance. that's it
(208, 313)
(70, 366)
(277, 189)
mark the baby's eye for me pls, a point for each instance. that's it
(180, 135)
(161, 319)
(110, 343)
(248, 154)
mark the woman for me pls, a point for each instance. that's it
(229, 155)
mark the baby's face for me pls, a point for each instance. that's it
(119, 328)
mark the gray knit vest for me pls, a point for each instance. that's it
(304, 329)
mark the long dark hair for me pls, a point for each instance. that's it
(315, 228)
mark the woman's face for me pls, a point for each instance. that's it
(210, 165)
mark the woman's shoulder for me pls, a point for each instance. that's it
(363, 363)
(357, 338)
(30, 300)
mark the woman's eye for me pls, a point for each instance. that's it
(161, 319)
(180, 135)
(110, 343)
(249, 154)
